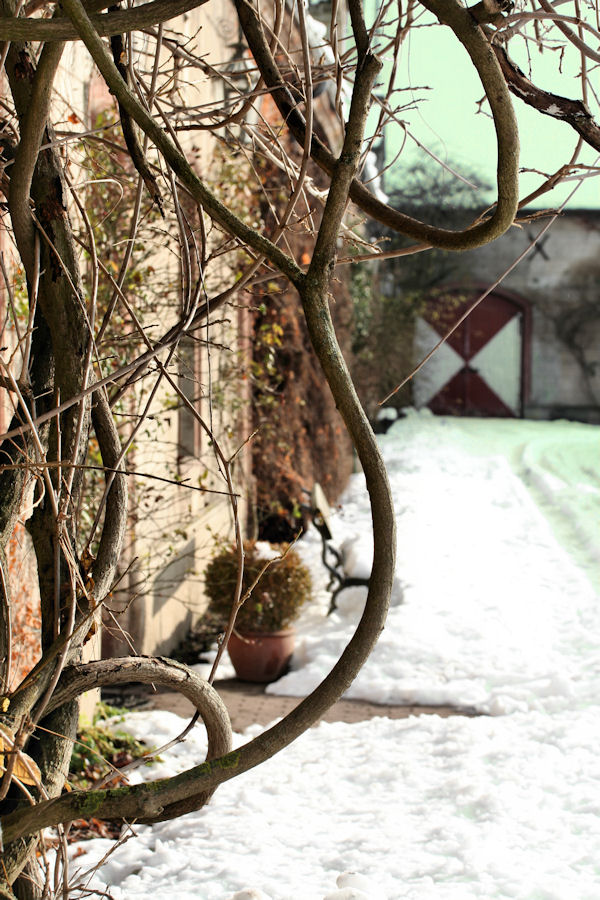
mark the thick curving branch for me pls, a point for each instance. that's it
(33, 128)
(77, 679)
(482, 56)
(107, 24)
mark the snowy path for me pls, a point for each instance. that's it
(496, 614)
(420, 809)
(497, 539)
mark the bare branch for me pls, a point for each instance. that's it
(176, 160)
(474, 41)
(573, 112)
(120, 22)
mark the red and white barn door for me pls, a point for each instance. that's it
(478, 371)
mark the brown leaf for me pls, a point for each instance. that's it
(25, 769)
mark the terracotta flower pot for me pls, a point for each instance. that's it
(261, 656)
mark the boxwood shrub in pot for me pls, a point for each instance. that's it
(263, 641)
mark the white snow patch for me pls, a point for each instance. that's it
(497, 614)
(416, 808)
(497, 537)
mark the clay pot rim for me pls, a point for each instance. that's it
(245, 632)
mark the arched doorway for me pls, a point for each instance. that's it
(481, 370)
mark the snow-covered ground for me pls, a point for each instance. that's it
(494, 609)
(493, 606)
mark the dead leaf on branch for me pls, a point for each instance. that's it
(25, 769)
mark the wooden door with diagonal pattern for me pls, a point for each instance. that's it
(478, 371)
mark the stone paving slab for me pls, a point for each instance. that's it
(248, 704)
